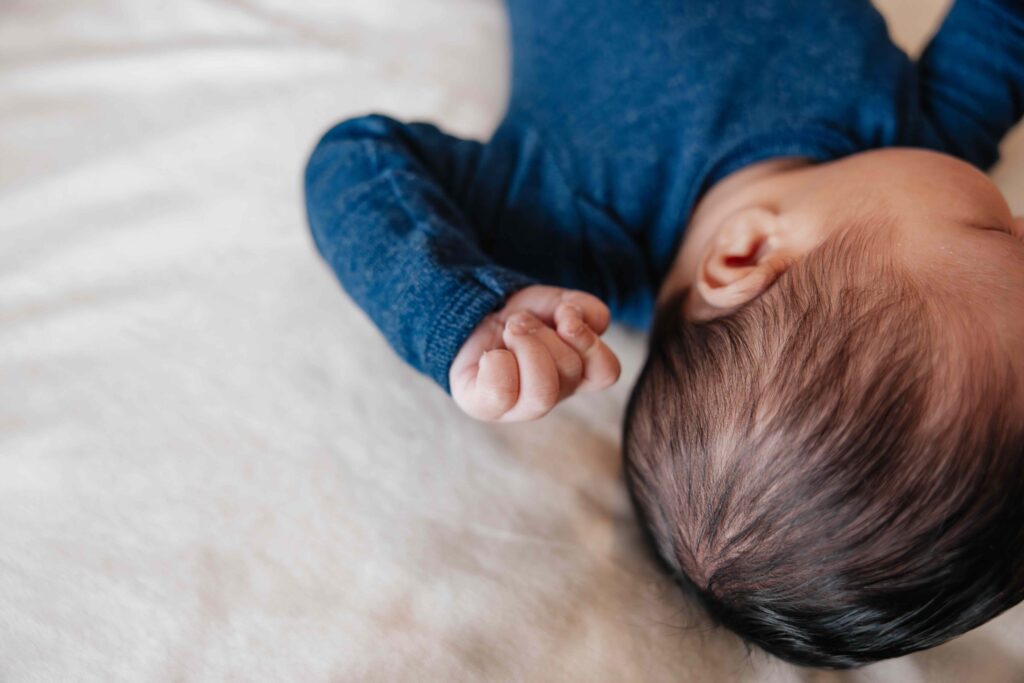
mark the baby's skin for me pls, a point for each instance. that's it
(540, 348)
(954, 226)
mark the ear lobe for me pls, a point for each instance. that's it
(739, 264)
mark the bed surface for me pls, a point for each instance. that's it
(211, 465)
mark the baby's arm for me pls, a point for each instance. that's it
(388, 206)
(972, 79)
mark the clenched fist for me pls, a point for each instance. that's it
(540, 348)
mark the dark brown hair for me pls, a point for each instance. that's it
(832, 471)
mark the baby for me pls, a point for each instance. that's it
(826, 443)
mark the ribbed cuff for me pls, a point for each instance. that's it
(457, 317)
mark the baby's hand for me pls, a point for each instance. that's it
(537, 350)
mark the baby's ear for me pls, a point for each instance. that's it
(742, 260)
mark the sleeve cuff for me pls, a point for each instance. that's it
(461, 312)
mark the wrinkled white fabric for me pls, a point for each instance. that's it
(211, 466)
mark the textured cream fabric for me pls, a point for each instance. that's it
(211, 466)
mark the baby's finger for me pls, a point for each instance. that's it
(567, 361)
(497, 384)
(538, 374)
(543, 301)
(572, 327)
(595, 312)
(465, 370)
(601, 368)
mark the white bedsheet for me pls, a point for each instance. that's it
(212, 467)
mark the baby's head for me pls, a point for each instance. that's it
(826, 443)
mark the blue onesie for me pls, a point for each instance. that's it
(622, 113)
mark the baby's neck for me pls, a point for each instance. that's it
(754, 184)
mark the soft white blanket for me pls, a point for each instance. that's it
(212, 467)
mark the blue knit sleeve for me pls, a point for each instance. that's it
(972, 79)
(383, 201)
